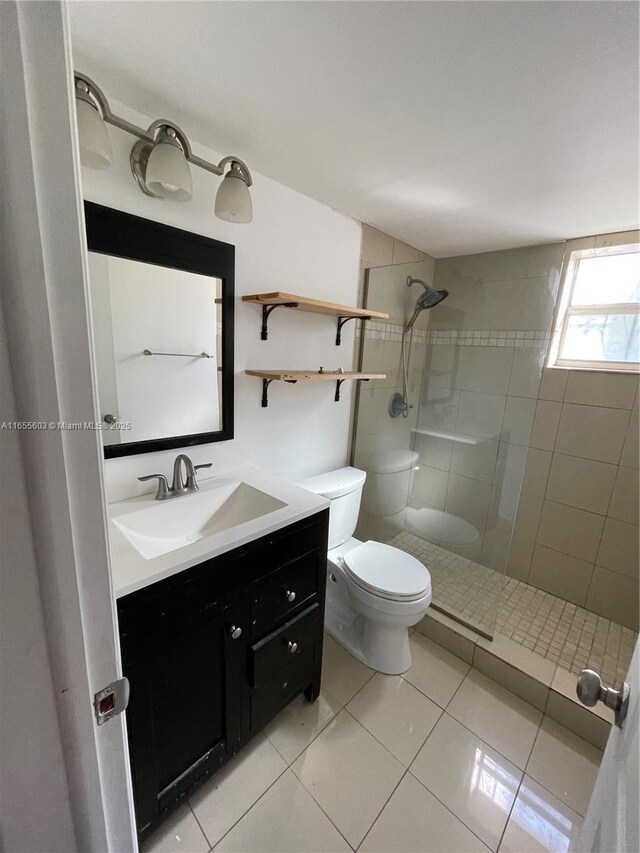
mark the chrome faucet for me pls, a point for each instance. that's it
(178, 486)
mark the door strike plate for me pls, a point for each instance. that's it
(111, 700)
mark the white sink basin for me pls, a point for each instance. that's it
(173, 524)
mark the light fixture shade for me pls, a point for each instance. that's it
(168, 174)
(233, 199)
(95, 145)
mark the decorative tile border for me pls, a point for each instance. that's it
(378, 330)
(492, 338)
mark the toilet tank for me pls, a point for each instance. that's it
(389, 483)
(344, 489)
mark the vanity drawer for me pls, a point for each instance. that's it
(289, 682)
(283, 591)
(291, 648)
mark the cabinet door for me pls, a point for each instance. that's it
(185, 708)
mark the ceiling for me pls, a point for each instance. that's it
(455, 126)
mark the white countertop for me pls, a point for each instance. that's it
(132, 572)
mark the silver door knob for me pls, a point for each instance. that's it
(293, 647)
(235, 632)
(291, 596)
(590, 691)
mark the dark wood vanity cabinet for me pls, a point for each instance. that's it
(213, 653)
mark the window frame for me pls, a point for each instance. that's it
(576, 251)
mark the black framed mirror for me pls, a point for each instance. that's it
(162, 303)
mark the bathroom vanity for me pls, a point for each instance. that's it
(220, 581)
(214, 646)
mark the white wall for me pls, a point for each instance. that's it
(33, 777)
(294, 244)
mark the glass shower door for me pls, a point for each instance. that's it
(444, 475)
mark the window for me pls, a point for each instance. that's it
(598, 317)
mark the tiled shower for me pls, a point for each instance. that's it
(520, 483)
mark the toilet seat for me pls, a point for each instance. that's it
(387, 572)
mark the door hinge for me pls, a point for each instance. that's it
(111, 700)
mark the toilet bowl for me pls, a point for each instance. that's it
(375, 592)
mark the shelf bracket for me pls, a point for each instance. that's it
(265, 388)
(266, 311)
(341, 322)
(339, 383)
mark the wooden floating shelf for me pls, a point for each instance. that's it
(293, 376)
(343, 313)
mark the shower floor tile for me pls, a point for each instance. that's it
(556, 629)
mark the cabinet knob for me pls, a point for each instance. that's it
(235, 632)
(291, 596)
(293, 647)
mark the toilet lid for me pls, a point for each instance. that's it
(387, 571)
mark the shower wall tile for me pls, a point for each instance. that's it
(624, 500)
(536, 472)
(434, 452)
(485, 369)
(553, 384)
(592, 432)
(545, 425)
(614, 596)
(443, 366)
(508, 265)
(546, 261)
(518, 420)
(477, 461)
(619, 548)
(612, 390)
(589, 477)
(525, 372)
(439, 409)
(468, 499)
(405, 254)
(561, 575)
(524, 536)
(430, 487)
(508, 480)
(539, 297)
(570, 530)
(631, 445)
(377, 247)
(480, 414)
(582, 483)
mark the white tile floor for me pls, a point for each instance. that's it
(440, 759)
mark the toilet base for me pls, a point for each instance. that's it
(381, 647)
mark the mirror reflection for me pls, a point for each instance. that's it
(157, 337)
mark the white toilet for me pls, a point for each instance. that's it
(374, 592)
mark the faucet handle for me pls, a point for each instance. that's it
(192, 484)
(163, 486)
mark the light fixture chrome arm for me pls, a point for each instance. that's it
(90, 92)
(87, 90)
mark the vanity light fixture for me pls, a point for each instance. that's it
(160, 158)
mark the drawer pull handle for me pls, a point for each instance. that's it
(235, 632)
(293, 647)
(291, 596)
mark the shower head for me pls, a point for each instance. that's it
(428, 299)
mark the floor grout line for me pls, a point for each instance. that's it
(457, 817)
(247, 810)
(199, 824)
